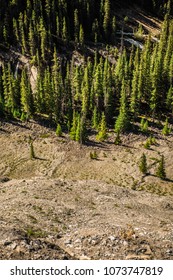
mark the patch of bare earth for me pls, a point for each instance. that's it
(65, 205)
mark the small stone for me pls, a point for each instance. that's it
(69, 241)
(77, 241)
(125, 243)
(170, 252)
(112, 238)
(83, 257)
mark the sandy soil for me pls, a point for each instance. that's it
(65, 205)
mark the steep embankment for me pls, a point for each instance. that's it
(63, 204)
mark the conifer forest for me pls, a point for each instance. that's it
(86, 129)
(79, 93)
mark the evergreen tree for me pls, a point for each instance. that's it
(59, 130)
(160, 172)
(95, 118)
(43, 39)
(102, 134)
(81, 35)
(169, 99)
(122, 122)
(166, 129)
(26, 94)
(76, 26)
(106, 19)
(64, 30)
(114, 28)
(143, 164)
(98, 87)
(134, 104)
(74, 126)
(144, 125)
(80, 130)
(32, 44)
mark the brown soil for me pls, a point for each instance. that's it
(65, 205)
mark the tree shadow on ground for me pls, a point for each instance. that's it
(39, 158)
(163, 179)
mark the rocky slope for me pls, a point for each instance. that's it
(65, 205)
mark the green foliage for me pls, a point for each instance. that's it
(147, 144)
(122, 123)
(93, 155)
(126, 19)
(102, 134)
(139, 33)
(121, 85)
(78, 129)
(160, 172)
(106, 19)
(166, 129)
(74, 126)
(23, 117)
(59, 130)
(150, 141)
(95, 119)
(143, 164)
(144, 125)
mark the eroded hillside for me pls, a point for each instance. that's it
(63, 204)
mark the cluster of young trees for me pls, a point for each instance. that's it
(94, 92)
(160, 171)
(43, 23)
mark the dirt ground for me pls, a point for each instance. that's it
(65, 205)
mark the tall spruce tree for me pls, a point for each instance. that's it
(102, 134)
(122, 121)
(160, 172)
(143, 164)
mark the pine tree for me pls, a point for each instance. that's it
(85, 92)
(102, 134)
(160, 172)
(43, 38)
(26, 94)
(80, 130)
(95, 118)
(144, 125)
(106, 19)
(23, 40)
(48, 93)
(98, 86)
(76, 26)
(31, 36)
(143, 164)
(59, 130)
(81, 35)
(134, 104)
(57, 87)
(169, 98)
(64, 30)
(122, 122)
(74, 126)
(114, 28)
(166, 129)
